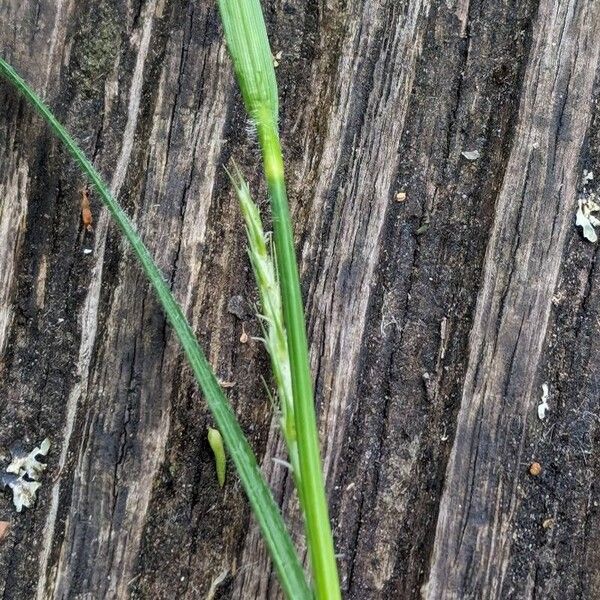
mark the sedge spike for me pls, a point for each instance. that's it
(274, 336)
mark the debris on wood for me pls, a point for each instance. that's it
(238, 306)
(471, 154)
(216, 583)
(4, 529)
(86, 211)
(543, 405)
(586, 220)
(226, 384)
(535, 469)
(23, 473)
(548, 523)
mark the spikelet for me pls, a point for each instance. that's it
(274, 337)
(215, 441)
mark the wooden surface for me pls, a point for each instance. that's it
(433, 320)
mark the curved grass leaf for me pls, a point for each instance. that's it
(285, 559)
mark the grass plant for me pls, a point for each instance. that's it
(246, 37)
(285, 559)
(283, 315)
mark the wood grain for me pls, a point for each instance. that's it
(534, 213)
(433, 320)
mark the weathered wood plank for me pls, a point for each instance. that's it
(534, 213)
(377, 98)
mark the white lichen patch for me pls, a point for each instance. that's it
(27, 463)
(586, 219)
(543, 406)
(471, 154)
(587, 206)
(24, 491)
(23, 474)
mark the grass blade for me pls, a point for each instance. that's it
(246, 36)
(285, 559)
(248, 44)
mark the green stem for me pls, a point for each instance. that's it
(267, 513)
(312, 496)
